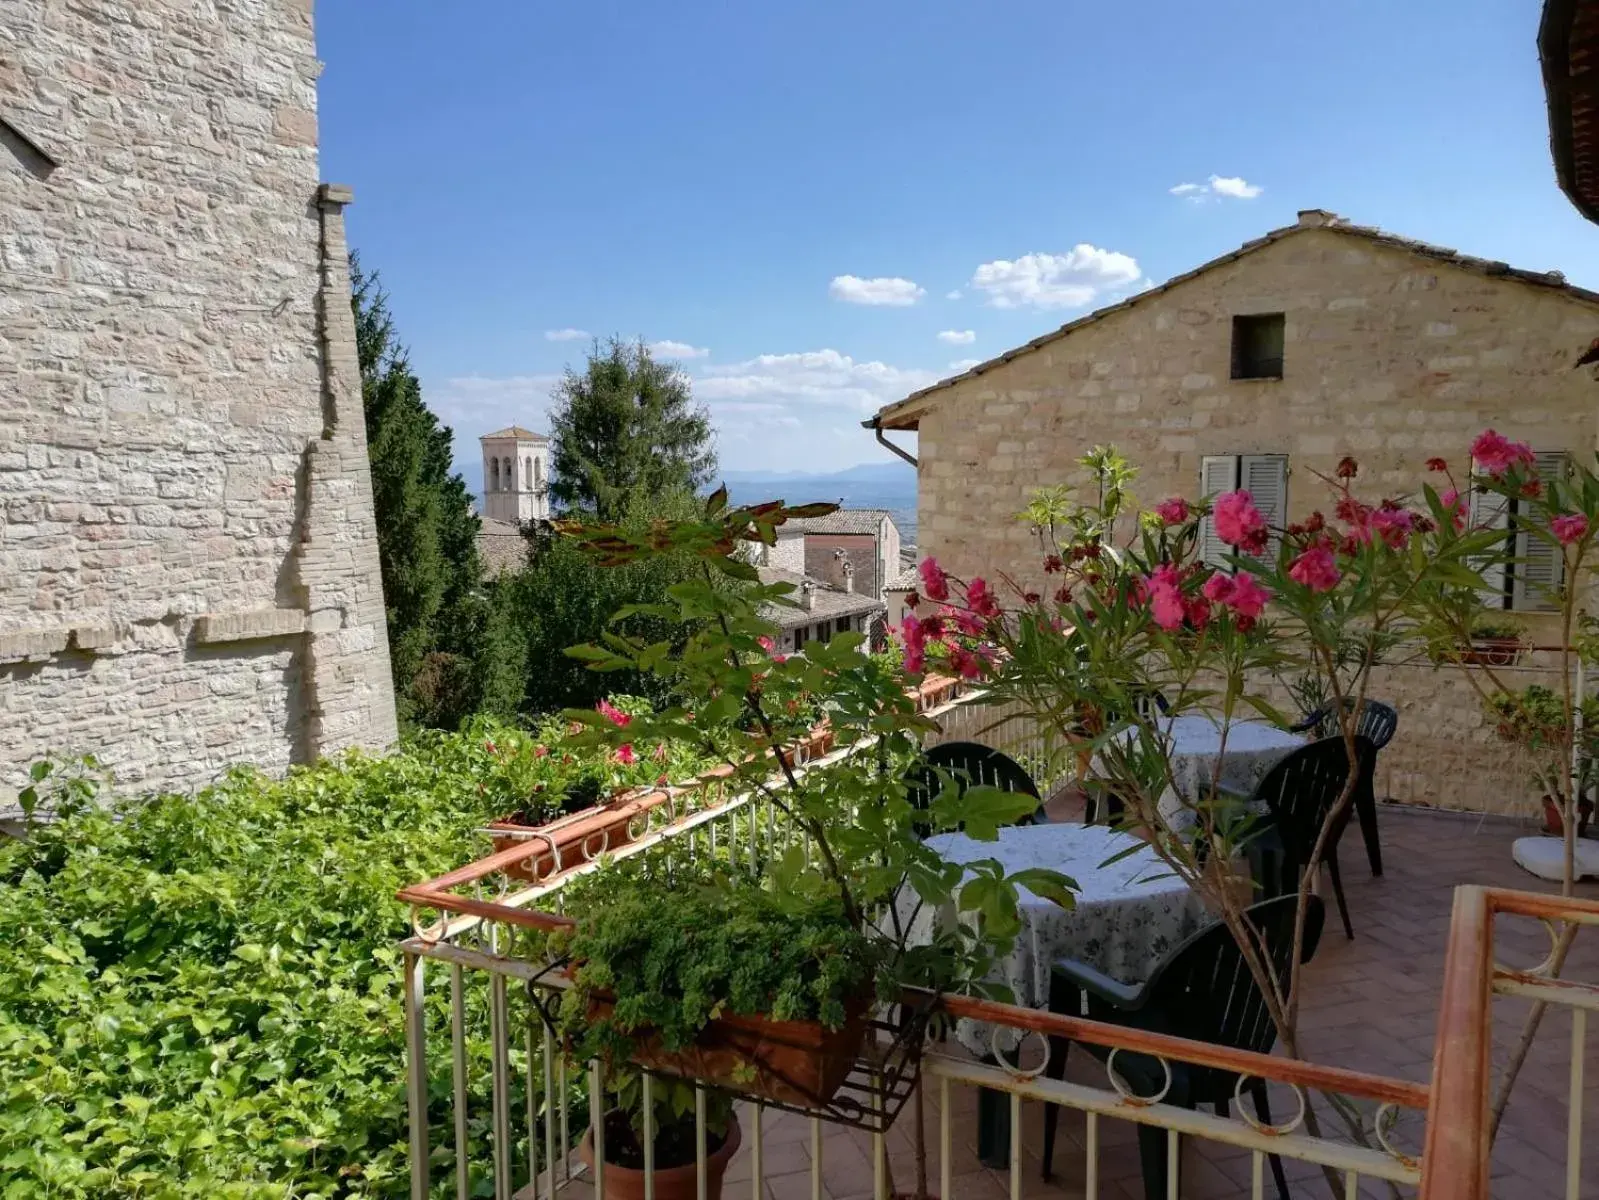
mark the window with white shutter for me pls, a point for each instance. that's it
(1530, 581)
(1539, 567)
(1217, 474)
(1263, 476)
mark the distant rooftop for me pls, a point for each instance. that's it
(828, 603)
(907, 580)
(845, 520)
(514, 431)
(501, 546)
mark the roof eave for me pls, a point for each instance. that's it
(1554, 55)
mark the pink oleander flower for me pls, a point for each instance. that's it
(541, 751)
(965, 664)
(915, 639)
(613, 714)
(968, 623)
(766, 643)
(1238, 521)
(1249, 596)
(1196, 611)
(980, 599)
(1453, 505)
(1165, 597)
(1496, 454)
(1393, 526)
(1437, 464)
(1315, 569)
(1173, 511)
(935, 584)
(1242, 593)
(625, 755)
(1572, 527)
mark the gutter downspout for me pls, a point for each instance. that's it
(876, 426)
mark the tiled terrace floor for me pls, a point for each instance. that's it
(1371, 1006)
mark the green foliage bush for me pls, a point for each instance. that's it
(200, 995)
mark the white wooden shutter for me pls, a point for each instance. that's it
(1540, 567)
(1265, 478)
(1217, 474)
(1490, 511)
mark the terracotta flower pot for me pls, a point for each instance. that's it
(671, 1183)
(790, 1062)
(1555, 825)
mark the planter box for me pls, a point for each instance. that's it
(1492, 652)
(788, 1062)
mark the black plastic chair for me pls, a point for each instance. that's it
(973, 764)
(1203, 991)
(1377, 722)
(1299, 793)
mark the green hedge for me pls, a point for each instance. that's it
(199, 995)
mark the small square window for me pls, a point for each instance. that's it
(1258, 346)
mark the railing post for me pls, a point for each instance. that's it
(416, 1076)
(1454, 1164)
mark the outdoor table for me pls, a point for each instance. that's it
(1128, 915)
(1254, 747)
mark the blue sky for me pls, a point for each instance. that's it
(793, 192)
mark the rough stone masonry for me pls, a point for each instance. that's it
(188, 559)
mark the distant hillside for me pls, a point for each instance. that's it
(870, 485)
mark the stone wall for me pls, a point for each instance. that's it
(188, 561)
(1390, 356)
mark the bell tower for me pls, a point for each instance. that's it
(516, 467)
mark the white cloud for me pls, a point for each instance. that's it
(818, 397)
(964, 364)
(1234, 187)
(670, 349)
(566, 335)
(1069, 280)
(892, 292)
(953, 295)
(958, 337)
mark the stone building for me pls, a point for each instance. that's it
(866, 538)
(821, 610)
(1318, 340)
(188, 560)
(516, 472)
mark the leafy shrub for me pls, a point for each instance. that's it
(200, 995)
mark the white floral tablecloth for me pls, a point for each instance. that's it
(1253, 749)
(1127, 916)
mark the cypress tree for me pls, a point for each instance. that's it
(438, 607)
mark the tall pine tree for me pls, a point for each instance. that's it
(449, 647)
(627, 426)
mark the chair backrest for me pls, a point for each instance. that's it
(1301, 789)
(1204, 989)
(971, 763)
(1377, 722)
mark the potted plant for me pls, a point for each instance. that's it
(1535, 719)
(676, 1140)
(716, 977)
(1495, 642)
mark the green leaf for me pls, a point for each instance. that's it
(980, 811)
(1051, 885)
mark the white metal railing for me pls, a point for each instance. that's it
(503, 1090)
